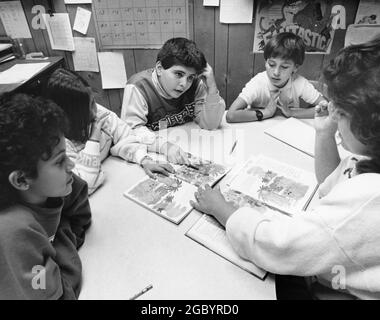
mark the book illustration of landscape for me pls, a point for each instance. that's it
(203, 172)
(170, 196)
(166, 196)
(276, 184)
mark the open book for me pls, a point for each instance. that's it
(170, 196)
(266, 185)
(301, 136)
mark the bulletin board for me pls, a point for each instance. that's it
(139, 23)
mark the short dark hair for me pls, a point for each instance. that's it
(353, 82)
(287, 46)
(30, 128)
(181, 51)
(73, 94)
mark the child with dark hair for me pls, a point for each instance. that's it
(95, 132)
(337, 242)
(181, 88)
(279, 87)
(44, 208)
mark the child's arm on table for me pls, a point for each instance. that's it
(238, 112)
(326, 152)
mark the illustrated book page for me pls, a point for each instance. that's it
(170, 196)
(275, 184)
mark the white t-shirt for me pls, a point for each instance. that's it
(258, 91)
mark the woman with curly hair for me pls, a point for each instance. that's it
(333, 250)
(44, 209)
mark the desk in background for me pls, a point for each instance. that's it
(35, 84)
(129, 247)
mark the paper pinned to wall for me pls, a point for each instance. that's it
(368, 12)
(84, 56)
(211, 3)
(82, 20)
(360, 33)
(236, 11)
(77, 1)
(112, 70)
(13, 18)
(59, 31)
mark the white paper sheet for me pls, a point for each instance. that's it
(82, 20)
(368, 12)
(59, 31)
(85, 56)
(77, 1)
(360, 33)
(301, 136)
(112, 70)
(211, 3)
(20, 73)
(236, 11)
(13, 18)
(295, 133)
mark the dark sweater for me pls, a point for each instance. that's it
(39, 247)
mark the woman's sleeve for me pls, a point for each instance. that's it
(300, 245)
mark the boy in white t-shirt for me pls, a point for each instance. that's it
(279, 87)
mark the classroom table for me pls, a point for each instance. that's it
(129, 247)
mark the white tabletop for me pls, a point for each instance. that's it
(129, 247)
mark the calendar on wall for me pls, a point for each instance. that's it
(139, 23)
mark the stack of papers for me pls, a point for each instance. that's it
(20, 73)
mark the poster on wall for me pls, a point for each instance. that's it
(368, 12)
(309, 19)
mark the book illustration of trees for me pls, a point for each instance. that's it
(281, 190)
(205, 175)
(240, 199)
(169, 207)
(212, 169)
(146, 192)
(256, 171)
(170, 184)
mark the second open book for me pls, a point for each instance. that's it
(169, 196)
(265, 185)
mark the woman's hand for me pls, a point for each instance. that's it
(175, 154)
(212, 202)
(323, 121)
(150, 166)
